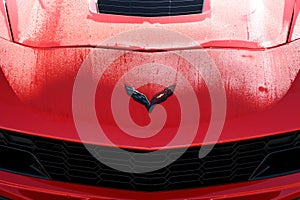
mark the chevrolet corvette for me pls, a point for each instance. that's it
(160, 99)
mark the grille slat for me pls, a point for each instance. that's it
(153, 8)
(226, 163)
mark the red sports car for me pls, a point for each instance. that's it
(140, 99)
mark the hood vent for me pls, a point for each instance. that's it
(150, 8)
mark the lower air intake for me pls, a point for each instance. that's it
(227, 163)
(150, 8)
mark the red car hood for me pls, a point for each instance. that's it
(230, 23)
(261, 85)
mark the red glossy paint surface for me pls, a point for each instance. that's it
(281, 188)
(239, 23)
(4, 27)
(295, 29)
(261, 87)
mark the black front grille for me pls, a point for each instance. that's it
(226, 163)
(150, 8)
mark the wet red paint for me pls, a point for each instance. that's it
(295, 25)
(258, 84)
(4, 30)
(259, 70)
(70, 23)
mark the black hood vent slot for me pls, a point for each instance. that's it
(150, 8)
